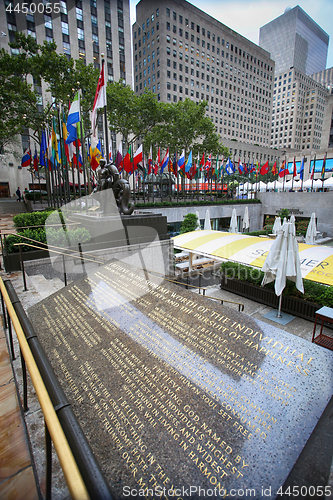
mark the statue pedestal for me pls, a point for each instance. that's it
(118, 230)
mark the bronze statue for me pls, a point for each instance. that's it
(109, 177)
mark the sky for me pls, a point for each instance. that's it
(247, 16)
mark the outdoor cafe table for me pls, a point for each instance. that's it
(323, 314)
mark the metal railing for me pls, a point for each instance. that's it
(61, 426)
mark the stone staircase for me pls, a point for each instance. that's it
(11, 207)
(38, 287)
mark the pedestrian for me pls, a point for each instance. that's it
(18, 194)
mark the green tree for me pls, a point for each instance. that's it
(130, 115)
(24, 72)
(189, 223)
(186, 126)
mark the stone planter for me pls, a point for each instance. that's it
(290, 305)
(11, 261)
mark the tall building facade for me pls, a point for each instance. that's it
(82, 29)
(295, 40)
(299, 104)
(181, 52)
(325, 78)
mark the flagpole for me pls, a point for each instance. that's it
(134, 198)
(284, 173)
(66, 160)
(177, 175)
(314, 164)
(106, 138)
(170, 185)
(83, 154)
(144, 176)
(62, 155)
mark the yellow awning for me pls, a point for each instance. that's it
(316, 260)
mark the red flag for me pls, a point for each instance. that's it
(158, 161)
(295, 169)
(264, 169)
(100, 100)
(274, 169)
(202, 162)
(150, 161)
(137, 157)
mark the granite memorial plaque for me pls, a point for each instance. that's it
(179, 396)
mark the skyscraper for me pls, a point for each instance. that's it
(182, 52)
(295, 40)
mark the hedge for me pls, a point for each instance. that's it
(313, 292)
(191, 203)
(60, 236)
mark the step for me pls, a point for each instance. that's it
(45, 287)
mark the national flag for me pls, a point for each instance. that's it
(264, 169)
(127, 163)
(283, 169)
(26, 158)
(150, 161)
(252, 168)
(294, 168)
(43, 149)
(181, 161)
(119, 157)
(95, 155)
(229, 168)
(323, 168)
(100, 100)
(240, 167)
(208, 163)
(301, 172)
(54, 142)
(165, 161)
(36, 160)
(158, 161)
(75, 161)
(137, 157)
(313, 168)
(202, 161)
(110, 152)
(258, 167)
(174, 164)
(274, 169)
(73, 119)
(188, 165)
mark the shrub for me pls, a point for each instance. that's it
(313, 292)
(37, 234)
(31, 219)
(189, 223)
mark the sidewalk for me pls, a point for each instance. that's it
(17, 479)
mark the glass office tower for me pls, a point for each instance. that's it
(295, 40)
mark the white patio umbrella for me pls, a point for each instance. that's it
(233, 223)
(283, 262)
(311, 231)
(292, 219)
(198, 228)
(276, 225)
(328, 183)
(207, 224)
(316, 183)
(246, 220)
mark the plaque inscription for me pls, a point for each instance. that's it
(178, 395)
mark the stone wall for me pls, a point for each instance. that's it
(302, 204)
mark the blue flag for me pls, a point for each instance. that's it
(229, 168)
(73, 119)
(301, 172)
(188, 165)
(43, 150)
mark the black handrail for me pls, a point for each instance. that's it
(95, 481)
